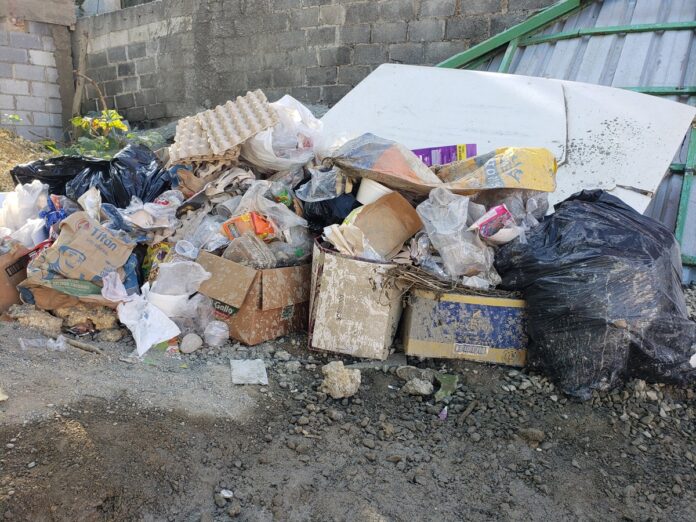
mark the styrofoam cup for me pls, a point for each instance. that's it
(370, 191)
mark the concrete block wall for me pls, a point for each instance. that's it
(210, 51)
(142, 58)
(29, 85)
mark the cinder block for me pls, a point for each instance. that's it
(438, 7)
(30, 103)
(55, 133)
(321, 36)
(30, 72)
(6, 102)
(25, 41)
(156, 112)
(113, 87)
(409, 53)
(369, 54)
(260, 79)
(334, 56)
(48, 43)
(471, 7)
(285, 5)
(145, 97)
(435, 52)
(333, 93)
(131, 84)
(136, 114)
(136, 50)
(51, 74)
(126, 69)
(125, 101)
(12, 55)
(287, 77)
(291, 39)
(500, 23)
(97, 60)
(399, 10)
(321, 75)
(352, 74)
(47, 120)
(47, 90)
(304, 57)
(362, 13)
(8, 86)
(39, 28)
(352, 34)
(306, 94)
(145, 65)
(6, 70)
(473, 28)
(103, 74)
(116, 54)
(332, 15)
(5, 37)
(148, 81)
(54, 106)
(426, 30)
(393, 32)
(42, 58)
(308, 17)
(32, 133)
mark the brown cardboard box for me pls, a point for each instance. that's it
(258, 305)
(354, 308)
(13, 270)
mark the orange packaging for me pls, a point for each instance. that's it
(249, 222)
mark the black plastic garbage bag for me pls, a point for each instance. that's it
(321, 214)
(134, 171)
(604, 296)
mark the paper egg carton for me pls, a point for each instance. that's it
(217, 133)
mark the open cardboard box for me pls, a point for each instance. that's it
(257, 305)
(13, 270)
(354, 308)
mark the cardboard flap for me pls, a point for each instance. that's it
(283, 287)
(230, 282)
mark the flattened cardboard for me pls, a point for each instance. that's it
(458, 326)
(387, 223)
(13, 270)
(257, 305)
(354, 308)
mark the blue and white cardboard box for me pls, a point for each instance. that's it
(460, 326)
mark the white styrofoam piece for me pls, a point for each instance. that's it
(617, 140)
(423, 107)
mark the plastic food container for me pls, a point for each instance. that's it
(370, 191)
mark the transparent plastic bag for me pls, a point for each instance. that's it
(323, 185)
(216, 333)
(201, 307)
(207, 235)
(57, 345)
(249, 250)
(22, 204)
(179, 278)
(255, 201)
(445, 216)
(290, 143)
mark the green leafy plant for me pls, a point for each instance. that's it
(102, 135)
(10, 118)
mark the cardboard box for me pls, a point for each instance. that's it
(13, 270)
(258, 305)
(354, 308)
(458, 326)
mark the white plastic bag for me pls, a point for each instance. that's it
(31, 233)
(113, 289)
(148, 324)
(179, 278)
(23, 204)
(216, 333)
(290, 143)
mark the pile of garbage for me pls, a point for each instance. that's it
(251, 226)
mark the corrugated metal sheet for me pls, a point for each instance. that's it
(648, 59)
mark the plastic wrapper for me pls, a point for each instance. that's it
(287, 145)
(605, 302)
(444, 217)
(31, 233)
(22, 204)
(179, 278)
(207, 235)
(90, 202)
(202, 310)
(323, 185)
(249, 250)
(255, 201)
(59, 344)
(216, 333)
(527, 207)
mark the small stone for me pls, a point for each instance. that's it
(368, 443)
(226, 493)
(234, 510)
(652, 395)
(293, 366)
(339, 382)
(190, 343)
(532, 435)
(575, 464)
(525, 384)
(303, 420)
(335, 415)
(9, 445)
(282, 355)
(3, 395)
(676, 489)
(418, 387)
(554, 398)
(475, 437)
(31, 465)
(268, 437)
(220, 500)
(111, 335)
(394, 458)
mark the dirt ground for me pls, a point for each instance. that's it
(92, 437)
(13, 151)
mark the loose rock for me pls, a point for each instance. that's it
(418, 387)
(190, 343)
(339, 382)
